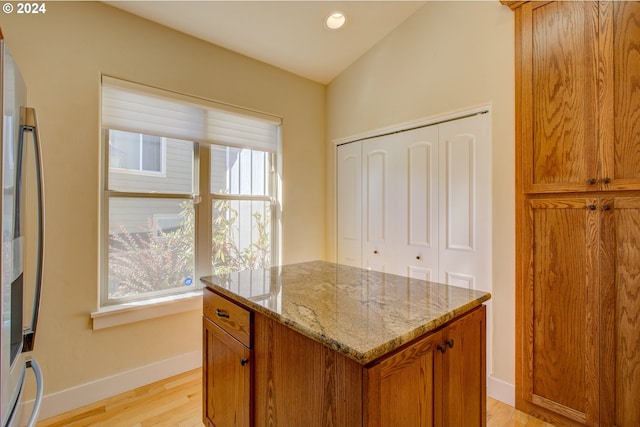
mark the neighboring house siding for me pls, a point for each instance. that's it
(218, 169)
(136, 217)
(177, 177)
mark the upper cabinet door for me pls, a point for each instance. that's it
(620, 94)
(559, 96)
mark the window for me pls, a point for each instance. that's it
(242, 209)
(178, 170)
(136, 152)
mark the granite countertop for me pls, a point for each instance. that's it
(360, 313)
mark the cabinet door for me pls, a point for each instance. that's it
(620, 312)
(227, 379)
(558, 339)
(558, 71)
(405, 389)
(620, 94)
(463, 371)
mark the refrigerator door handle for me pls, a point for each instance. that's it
(29, 123)
(31, 363)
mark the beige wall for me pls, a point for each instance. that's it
(62, 55)
(447, 57)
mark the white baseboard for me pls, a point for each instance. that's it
(85, 394)
(501, 390)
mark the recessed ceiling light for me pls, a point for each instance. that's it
(335, 21)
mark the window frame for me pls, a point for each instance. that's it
(143, 109)
(202, 198)
(107, 194)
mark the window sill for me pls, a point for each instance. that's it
(123, 314)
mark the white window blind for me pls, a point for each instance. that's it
(132, 107)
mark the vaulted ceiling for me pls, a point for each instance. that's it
(287, 34)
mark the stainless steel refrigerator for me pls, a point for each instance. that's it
(21, 174)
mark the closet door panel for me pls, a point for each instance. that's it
(465, 203)
(349, 204)
(419, 245)
(377, 182)
(459, 214)
(377, 250)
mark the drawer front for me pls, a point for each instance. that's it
(233, 319)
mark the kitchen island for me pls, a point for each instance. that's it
(321, 344)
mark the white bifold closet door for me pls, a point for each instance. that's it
(465, 203)
(349, 204)
(400, 209)
(418, 203)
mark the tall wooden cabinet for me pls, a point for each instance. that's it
(578, 211)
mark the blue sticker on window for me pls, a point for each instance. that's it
(188, 281)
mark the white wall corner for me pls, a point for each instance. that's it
(501, 390)
(72, 398)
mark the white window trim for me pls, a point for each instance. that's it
(121, 314)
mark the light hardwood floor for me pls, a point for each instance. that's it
(177, 402)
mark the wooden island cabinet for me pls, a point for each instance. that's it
(319, 344)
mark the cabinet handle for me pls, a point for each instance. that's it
(606, 208)
(221, 313)
(449, 343)
(244, 361)
(418, 257)
(591, 207)
(375, 252)
(606, 180)
(592, 181)
(441, 348)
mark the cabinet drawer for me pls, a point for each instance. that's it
(233, 319)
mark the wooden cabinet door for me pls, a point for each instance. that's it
(620, 94)
(405, 389)
(559, 98)
(463, 369)
(227, 379)
(437, 381)
(558, 330)
(620, 304)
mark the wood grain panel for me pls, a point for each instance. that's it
(619, 93)
(232, 318)
(559, 95)
(227, 378)
(562, 327)
(291, 391)
(627, 315)
(626, 50)
(464, 370)
(404, 389)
